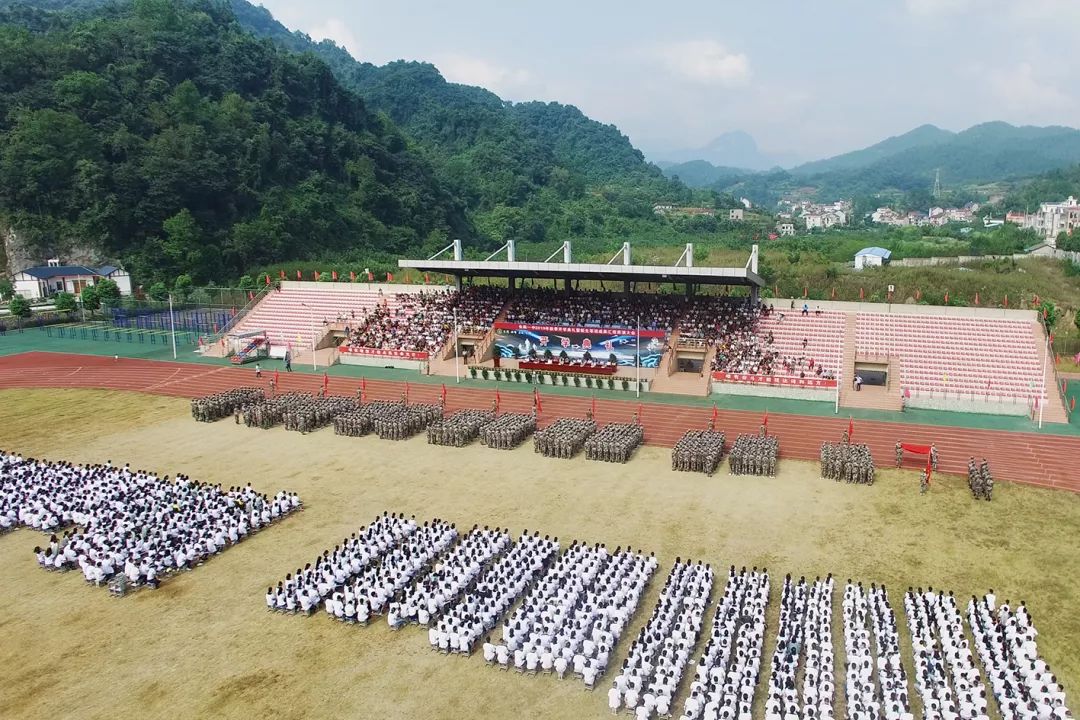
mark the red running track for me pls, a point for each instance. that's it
(1044, 460)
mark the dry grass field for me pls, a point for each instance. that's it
(204, 646)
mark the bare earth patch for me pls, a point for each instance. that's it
(205, 646)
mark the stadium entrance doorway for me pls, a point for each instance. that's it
(873, 373)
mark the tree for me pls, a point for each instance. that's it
(158, 292)
(183, 284)
(90, 298)
(107, 290)
(19, 307)
(64, 302)
(6, 288)
(246, 283)
(1048, 313)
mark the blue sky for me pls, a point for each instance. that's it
(810, 77)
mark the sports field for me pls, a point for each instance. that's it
(204, 646)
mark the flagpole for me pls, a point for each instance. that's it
(172, 325)
(1042, 400)
(457, 350)
(638, 362)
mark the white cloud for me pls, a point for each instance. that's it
(926, 8)
(1020, 90)
(337, 32)
(469, 70)
(705, 61)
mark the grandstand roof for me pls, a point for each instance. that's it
(589, 271)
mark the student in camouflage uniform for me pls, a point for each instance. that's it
(459, 429)
(564, 438)
(508, 431)
(223, 404)
(899, 454)
(615, 443)
(698, 451)
(754, 454)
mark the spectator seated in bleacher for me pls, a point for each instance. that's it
(593, 308)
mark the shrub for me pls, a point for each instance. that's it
(610, 384)
(484, 373)
(158, 292)
(564, 380)
(517, 376)
(89, 298)
(472, 372)
(577, 381)
(107, 289)
(64, 302)
(19, 307)
(246, 283)
(625, 384)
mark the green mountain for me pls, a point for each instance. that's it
(165, 135)
(921, 137)
(703, 174)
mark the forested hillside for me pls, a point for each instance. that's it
(188, 145)
(164, 135)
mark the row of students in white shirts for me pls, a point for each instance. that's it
(804, 639)
(654, 665)
(379, 582)
(1020, 680)
(946, 677)
(873, 690)
(304, 590)
(476, 612)
(727, 672)
(130, 521)
(427, 597)
(576, 611)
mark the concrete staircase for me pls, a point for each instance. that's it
(1054, 411)
(875, 397)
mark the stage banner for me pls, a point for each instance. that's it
(378, 352)
(810, 382)
(514, 340)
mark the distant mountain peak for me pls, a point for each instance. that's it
(732, 149)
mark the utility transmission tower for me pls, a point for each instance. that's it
(937, 183)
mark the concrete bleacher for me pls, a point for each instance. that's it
(287, 322)
(824, 335)
(998, 358)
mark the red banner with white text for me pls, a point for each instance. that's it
(778, 380)
(379, 352)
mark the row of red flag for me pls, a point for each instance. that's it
(1035, 300)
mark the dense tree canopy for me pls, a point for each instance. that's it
(161, 133)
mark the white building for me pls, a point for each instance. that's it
(47, 280)
(872, 257)
(736, 215)
(785, 229)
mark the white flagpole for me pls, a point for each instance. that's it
(1042, 400)
(172, 325)
(638, 363)
(457, 350)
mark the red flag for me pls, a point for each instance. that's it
(862, 293)
(946, 297)
(1035, 299)
(427, 279)
(976, 298)
(316, 276)
(444, 393)
(389, 277)
(251, 295)
(715, 413)
(592, 406)
(850, 428)
(325, 382)
(215, 328)
(539, 406)
(498, 400)
(765, 422)
(834, 293)
(277, 378)
(1072, 403)
(267, 279)
(370, 276)
(299, 275)
(281, 274)
(352, 276)
(333, 275)
(805, 290)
